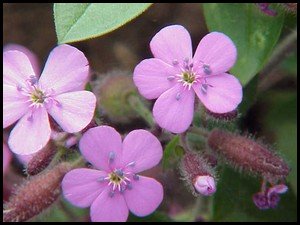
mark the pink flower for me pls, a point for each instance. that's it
(59, 92)
(115, 188)
(6, 158)
(174, 76)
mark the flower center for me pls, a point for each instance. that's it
(116, 177)
(38, 96)
(188, 77)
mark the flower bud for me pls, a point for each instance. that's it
(205, 185)
(35, 195)
(245, 153)
(41, 159)
(113, 92)
(198, 174)
(265, 8)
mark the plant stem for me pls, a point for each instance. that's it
(200, 131)
(136, 103)
(283, 50)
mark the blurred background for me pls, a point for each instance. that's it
(272, 115)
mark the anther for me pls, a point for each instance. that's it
(129, 186)
(19, 87)
(178, 95)
(170, 78)
(123, 188)
(111, 194)
(131, 164)
(175, 62)
(204, 88)
(111, 157)
(207, 69)
(101, 179)
(136, 177)
(119, 173)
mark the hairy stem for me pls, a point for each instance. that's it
(199, 131)
(136, 103)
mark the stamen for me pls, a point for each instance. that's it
(175, 62)
(131, 164)
(170, 78)
(19, 87)
(136, 177)
(111, 157)
(123, 188)
(178, 95)
(111, 194)
(207, 69)
(129, 186)
(119, 173)
(204, 88)
(101, 179)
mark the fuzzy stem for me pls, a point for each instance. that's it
(283, 50)
(200, 131)
(136, 104)
(183, 142)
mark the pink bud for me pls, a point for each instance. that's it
(205, 185)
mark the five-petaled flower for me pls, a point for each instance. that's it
(174, 76)
(59, 91)
(115, 188)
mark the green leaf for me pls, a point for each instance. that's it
(170, 152)
(154, 217)
(254, 34)
(281, 120)
(81, 21)
(233, 201)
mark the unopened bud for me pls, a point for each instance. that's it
(245, 153)
(113, 92)
(41, 159)
(35, 195)
(223, 116)
(205, 185)
(198, 174)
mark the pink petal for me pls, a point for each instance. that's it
(153, 77)
(16, 68)
(73, 111)
(109, 209)
(172, 43)
(82, 186)
(31, 133)
(6, 158)
(224, 93)
(31, 56)
(144, 197)
(15, 105)
(24, 159)
(216, 50)
(174, 109)
(142, 148)
(278, 189)
(67, 69)
(100, 143)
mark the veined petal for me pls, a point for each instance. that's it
(217, 51)
(31, 56)
(153, 77)
(171, 44)
(223, 93)
(66, 70)
(109, 209)
(73, 111)
(144, 197)
(6, 158)
(15, 105)
(31, 133)
(101, 146)
(16, 68)
(174, 109)
(82, 186)
(142, 148)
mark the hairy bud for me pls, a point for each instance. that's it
(35, 195)
(248, 155)
(41, 159)
(113, 93)
(223, 116)
(198, 174)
